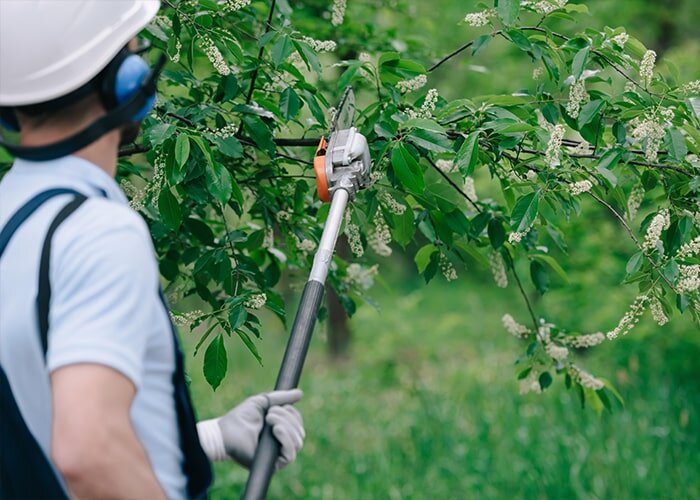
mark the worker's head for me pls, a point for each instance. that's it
(68, 64)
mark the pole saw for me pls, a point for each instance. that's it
(342, 166)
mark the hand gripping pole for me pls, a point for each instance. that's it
(268, 447)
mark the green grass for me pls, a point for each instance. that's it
(428, 407)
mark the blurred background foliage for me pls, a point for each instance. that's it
(425, 404)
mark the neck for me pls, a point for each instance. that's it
(102, 153)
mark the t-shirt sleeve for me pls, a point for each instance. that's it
(104, 281)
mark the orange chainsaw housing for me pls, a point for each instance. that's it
(320, 169)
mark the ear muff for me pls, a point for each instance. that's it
(122, 80)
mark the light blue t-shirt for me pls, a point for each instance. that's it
(105, 307)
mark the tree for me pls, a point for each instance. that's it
(230, 200)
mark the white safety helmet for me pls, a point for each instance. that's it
(49, 48)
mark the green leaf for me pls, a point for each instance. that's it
(260, 133)
(635, 263)
(169, 209)
(349, 74)
(229, 146)
(497, 233)
(290, 104)
(677, 147)
(468, 154)
(589, 112)
(249, 344)
(508, 10)
(552, 263)
(215, 362)
(579, 62)
(407, 169)
(545, 380)
(539, 276)
(237, 316)
(429, 140)
(182, 149)
(525, 212)
(219, 182)
(480, 43)
(423, 256)
(281, 50)
(158, 133)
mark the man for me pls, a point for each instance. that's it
(108, 403)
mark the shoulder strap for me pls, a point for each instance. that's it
(44, 291)
(26, 210)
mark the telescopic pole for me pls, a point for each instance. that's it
(268, 447)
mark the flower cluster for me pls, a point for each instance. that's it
(690, 249)
(338, 12)
(498, 269)
(577, 97)
(553, 152)
(136, 196)
(544, 7)
(556, 352)
(478, 19)
(660, 222)
(215, 57)
(352, 231)
(426, 110)
(362, 277)
(176, 56)
(256, 301)
(657, 312)
(537, 73)
(635, 201)
(380, 238)
(691, 88)
(584, 341)
(445, 165)
(580, 187)
(621, 39)
(447, 269)
(651, 131)
(184, 320)
(688, 279)
(514, 328)
(530, 383)
(582, 148)
(304, 246)
(412, 85)
(646, 68)
(320, 45)
(631, 317)
(390, 203)
(585, 379)
(470, 188)
(234, 5)
(516, 237)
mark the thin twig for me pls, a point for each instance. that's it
(511, 264)
(455, 186)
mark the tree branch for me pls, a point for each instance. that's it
(452, 183)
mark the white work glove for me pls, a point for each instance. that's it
(235, 435)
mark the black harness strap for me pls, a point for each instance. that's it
(43, 297)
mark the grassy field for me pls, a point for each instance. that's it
(428, 407)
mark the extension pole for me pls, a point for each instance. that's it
(268, 447)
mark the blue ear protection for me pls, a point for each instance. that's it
(122, 79)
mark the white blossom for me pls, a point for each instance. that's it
(631, 317)
(320, 45)
(651, 131)
(184, 320)
(537, 73)
(426, 110)
(352, 231)
(690, 249)
(544, 7)
(691, 88)
(516, 237)
(390, 202)
(283, 215)
(556, 352)
(234, 5)
(688, 279)
(580, 187)
(135, 195)
(551, 155)
(380, 237)
(620, 39)
(362, 277)
(646, 68)
(470, 189)
(412, 85)
(530, 383)
(445, 165)
(660, 222)
(215, 57)
(256, 301)
(584, 378)
(582, 148)
(447, 269)
(338, 12)
(176, 56)
(514, 328)
(305, 246)
(584, 341)
(635, 201)
(478, 19)
(657, 312)
(577, 97)
(498, 269)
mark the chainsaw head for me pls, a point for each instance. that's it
(343, 162)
